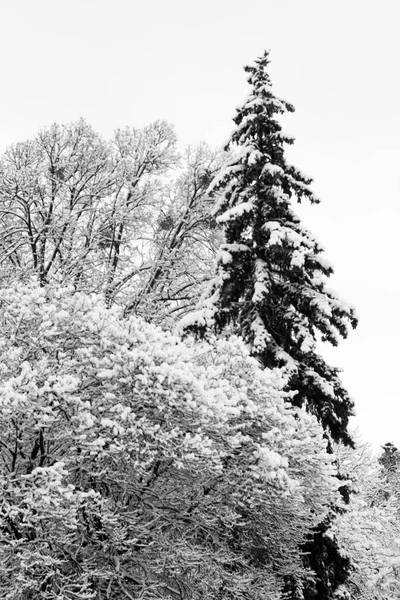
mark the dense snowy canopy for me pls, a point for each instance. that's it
(132, 461)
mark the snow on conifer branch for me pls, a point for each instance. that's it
(274, 294)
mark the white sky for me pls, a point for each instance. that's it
(129, 62)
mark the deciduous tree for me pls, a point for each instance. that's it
(184, 243)
(127, 218)
(133, 465)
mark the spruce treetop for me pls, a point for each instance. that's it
(270, 282)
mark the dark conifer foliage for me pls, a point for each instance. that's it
(270, 288)
(270, 285)
(330, 568)
(390, 458)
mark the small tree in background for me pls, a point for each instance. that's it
(368, 532)
(390, 458)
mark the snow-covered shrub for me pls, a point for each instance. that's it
(134, 465)
(368, 532)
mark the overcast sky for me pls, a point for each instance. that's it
(129, 62)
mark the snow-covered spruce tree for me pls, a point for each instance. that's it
(270, 285)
